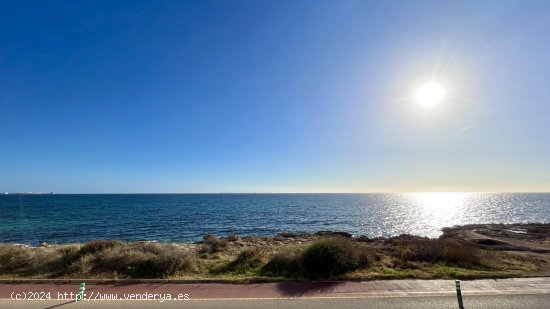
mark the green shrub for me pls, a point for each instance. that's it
(288, 264)
(247, 260)
(333, 256)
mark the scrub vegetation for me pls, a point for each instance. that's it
(458, 253)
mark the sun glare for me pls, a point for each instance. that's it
(429, 94)
(440, 206)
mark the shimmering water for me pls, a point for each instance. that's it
(186, 217)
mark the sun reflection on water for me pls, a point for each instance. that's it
(440, 208)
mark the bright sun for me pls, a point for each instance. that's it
(429, 94)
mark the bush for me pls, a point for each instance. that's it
(28, 261)
(69, 254)
(439, 250)
(333, 256)
(125, 262)
(47, 260)
(142, 260)
(247, 260)
(135, 260)
(421, 250)
(461, 254)
(96, 246)
(171, 262)
(212, 244)
(288, 264)
(82, 266)
(152, 247)
(14, 259)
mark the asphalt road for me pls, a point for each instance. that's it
(427, 302)
(502, 293)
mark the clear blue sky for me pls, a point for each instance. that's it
(273, 96)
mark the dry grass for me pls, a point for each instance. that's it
(254, 258)
(212, 244)
(247, 260)
(138, 260)
(23, 261)
(417, 249)
(96, 259)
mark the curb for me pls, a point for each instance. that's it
(226, 281)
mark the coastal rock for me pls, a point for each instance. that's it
(332, 233)
(504, 237)
(22, 246)
(233, 237)
(290, 235)
(363, 238)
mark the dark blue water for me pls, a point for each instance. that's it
(34, 219)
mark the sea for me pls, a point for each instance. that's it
(68, 218)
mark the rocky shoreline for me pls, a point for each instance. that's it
(533, 237)
(470, 251)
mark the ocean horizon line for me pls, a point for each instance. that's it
(213, 193)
